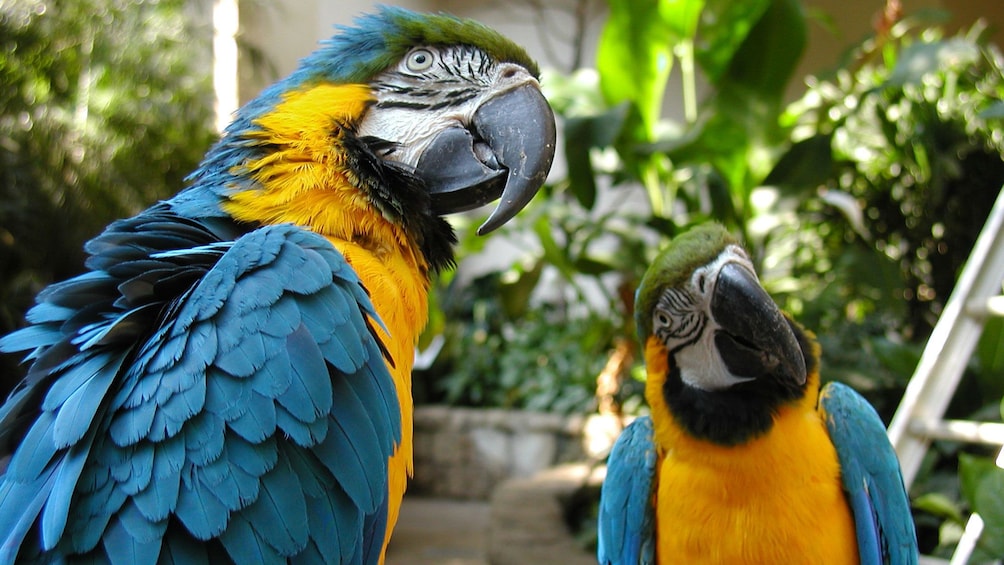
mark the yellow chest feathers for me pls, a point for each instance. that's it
(775, 499)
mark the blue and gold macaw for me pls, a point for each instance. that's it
(230, 379)
(744, 459)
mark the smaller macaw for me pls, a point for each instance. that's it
(744, 459)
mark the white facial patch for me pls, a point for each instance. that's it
(683, 311)
(702, 367)
(415, 105)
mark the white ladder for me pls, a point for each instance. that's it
(920, 415)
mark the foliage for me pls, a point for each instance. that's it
(834, 195)
(106, 106)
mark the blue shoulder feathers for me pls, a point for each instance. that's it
(871, 478)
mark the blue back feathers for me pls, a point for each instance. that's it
(199, 398)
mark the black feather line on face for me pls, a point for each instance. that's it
(738, 414)
(401, 197)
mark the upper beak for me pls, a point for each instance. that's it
(506, 151)
(755, 339)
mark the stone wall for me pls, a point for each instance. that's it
(465, 452)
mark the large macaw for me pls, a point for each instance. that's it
(743, 459)
(230, 379)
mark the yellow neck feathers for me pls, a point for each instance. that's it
(306, 179)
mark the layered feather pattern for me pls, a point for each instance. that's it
(870, 474)
(196, 386)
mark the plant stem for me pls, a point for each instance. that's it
(685, 52)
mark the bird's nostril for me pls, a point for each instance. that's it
(509, 73)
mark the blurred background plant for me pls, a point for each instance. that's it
(860, 201)
(105, 107)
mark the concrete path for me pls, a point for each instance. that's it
(433, 531)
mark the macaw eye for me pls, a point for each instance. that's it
(661, 319)
(419, 60)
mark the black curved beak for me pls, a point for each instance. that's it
(755, 339)
(506, 152)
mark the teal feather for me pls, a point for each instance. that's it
(138, 468)
(199, 510)
(124, 549)
(129, 425)
(183, 550)
(258, 422)
(160, 498)
(273, 378)
(351, 447)
(204, 438)
(308, 396)
(279, 515)
(35, 452)
(244, 545)
(304, 434)
(75, 376)
(139, 527)
(75, 415)
(28, 499)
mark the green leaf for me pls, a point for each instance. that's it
(553, 252)
(593, 266)
(767, 58)
(724, 27)
(582, 134)
(990, 351)
(806, 165)
(938, 504)
(982, 484)
(972, 470)
(634, 58)
(515, 294)
(682, 16)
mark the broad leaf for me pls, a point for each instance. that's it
(634, 58)
(723, 28)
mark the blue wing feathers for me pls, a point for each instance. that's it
(626, 514)
(237, 351)
(871, 477)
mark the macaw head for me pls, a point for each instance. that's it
(425, 114)
(731, 357)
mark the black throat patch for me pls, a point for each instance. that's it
(738, 414)
(402, 198)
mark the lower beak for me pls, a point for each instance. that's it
(506, 152)
(755, 339)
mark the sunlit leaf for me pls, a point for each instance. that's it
(682, 16)
(939, 505)
(634, 58)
